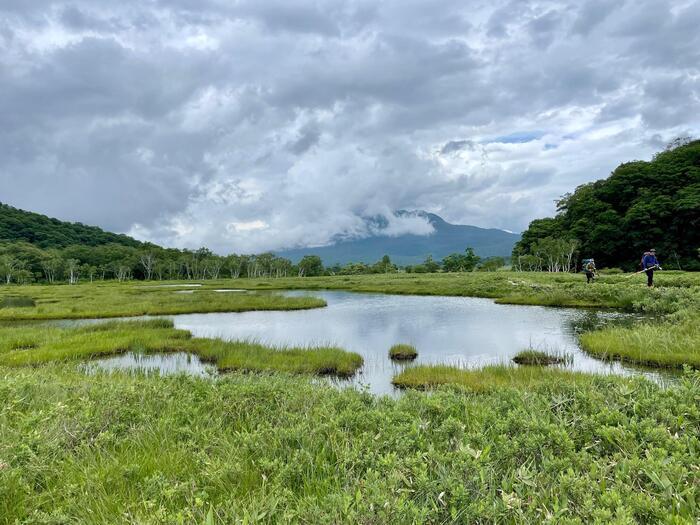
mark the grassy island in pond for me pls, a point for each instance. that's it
(538, 358)
(36, 344)
(403, 352)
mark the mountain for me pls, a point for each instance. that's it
(411, 248)
(45, 232)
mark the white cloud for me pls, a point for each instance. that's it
(259, 125)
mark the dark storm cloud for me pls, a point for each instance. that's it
(253, 125)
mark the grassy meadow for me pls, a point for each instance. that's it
(119, 448)
(113, 299)
(265, 444)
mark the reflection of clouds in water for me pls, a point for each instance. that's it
(467, 332)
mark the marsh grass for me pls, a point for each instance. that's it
(403, 352)
(533, 357)
(661, 344)
(483, 379)
(105, 300)
(35, 345)
(11, 301)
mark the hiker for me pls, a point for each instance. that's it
(590, 270)
(649, 264)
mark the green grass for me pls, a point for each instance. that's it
(665, 344)
(37, 344)
(403, 352)
(17, 302)
(538, 358)
(118, 448)
(484, 379)
(111, 299)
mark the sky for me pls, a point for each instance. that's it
(251, 125)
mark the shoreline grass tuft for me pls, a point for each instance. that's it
(403, 352)
(483, 379)
(662, 344)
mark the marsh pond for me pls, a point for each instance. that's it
(460, 331)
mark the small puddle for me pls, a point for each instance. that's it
(228, 290)
(162, 364)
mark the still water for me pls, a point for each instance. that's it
(447, 330)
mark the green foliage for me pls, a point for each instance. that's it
(403, 352)
(44, 232)
(311, 266)
(492, 264)
(458, 262)
(641, 205)
(277, 449)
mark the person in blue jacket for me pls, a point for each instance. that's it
(649, 264)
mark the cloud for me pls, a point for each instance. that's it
(250, 126)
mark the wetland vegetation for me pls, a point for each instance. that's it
(275, 448)
(36, 344)
(495, 443)
(403, 352)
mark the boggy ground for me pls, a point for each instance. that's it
(500, 444)
(672, 338)
(271, 448)
(34, 344)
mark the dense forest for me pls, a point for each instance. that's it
(641, 205)
(45, 232)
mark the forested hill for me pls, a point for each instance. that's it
(45, 232)
(639, 206)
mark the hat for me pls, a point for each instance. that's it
(653, 250)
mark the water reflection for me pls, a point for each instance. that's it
(162, 364)
(462, 331)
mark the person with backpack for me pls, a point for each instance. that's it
(589, 268)
(649, 264)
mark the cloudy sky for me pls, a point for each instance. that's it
(247, 125)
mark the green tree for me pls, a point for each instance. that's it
(310, 266)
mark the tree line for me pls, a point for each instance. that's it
(24, 263)
(641, 205)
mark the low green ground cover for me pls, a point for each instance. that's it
(120, 448)
(35, 344)
(112, 299)
(403, 352)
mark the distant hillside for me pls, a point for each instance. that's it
(413, 249)
(45, 232)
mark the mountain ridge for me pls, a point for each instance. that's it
(410, 248)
